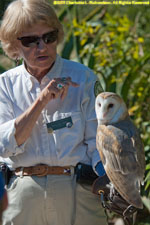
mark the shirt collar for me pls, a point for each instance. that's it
(56, 69)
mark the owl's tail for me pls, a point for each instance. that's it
(126, 186)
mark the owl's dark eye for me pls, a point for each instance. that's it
(99, 104)
(110, 105)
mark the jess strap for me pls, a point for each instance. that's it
(42, 170)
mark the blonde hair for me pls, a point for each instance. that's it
(22, 14)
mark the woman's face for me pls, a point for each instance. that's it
(40, 57)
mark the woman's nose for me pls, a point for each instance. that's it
(40, 44)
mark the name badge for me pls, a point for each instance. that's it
(58, 124)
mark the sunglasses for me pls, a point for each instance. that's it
(32, 41)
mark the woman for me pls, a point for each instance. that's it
(47, 122)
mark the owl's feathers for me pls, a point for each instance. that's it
(120, 147)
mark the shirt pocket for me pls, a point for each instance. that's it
(67, 138)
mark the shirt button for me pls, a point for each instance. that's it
(69, 125)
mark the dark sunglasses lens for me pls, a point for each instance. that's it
(32, 41)
(29, 41)
(50, 37)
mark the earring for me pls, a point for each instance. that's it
(17, 62)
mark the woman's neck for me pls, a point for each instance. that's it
(38, 73)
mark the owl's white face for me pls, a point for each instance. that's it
(109, 108)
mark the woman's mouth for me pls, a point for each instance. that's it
(42, 58)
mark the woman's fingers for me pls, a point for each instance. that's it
(58, 87)
(54, 90)
(67, 80)
(64, 92)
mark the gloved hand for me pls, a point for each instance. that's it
(111, 200)
(100, 169)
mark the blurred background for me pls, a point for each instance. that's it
(114, 41)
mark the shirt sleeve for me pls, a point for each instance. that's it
(8, 144)
(88, 107)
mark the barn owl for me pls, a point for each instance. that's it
(120, 147)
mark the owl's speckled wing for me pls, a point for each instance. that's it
(122, 154)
